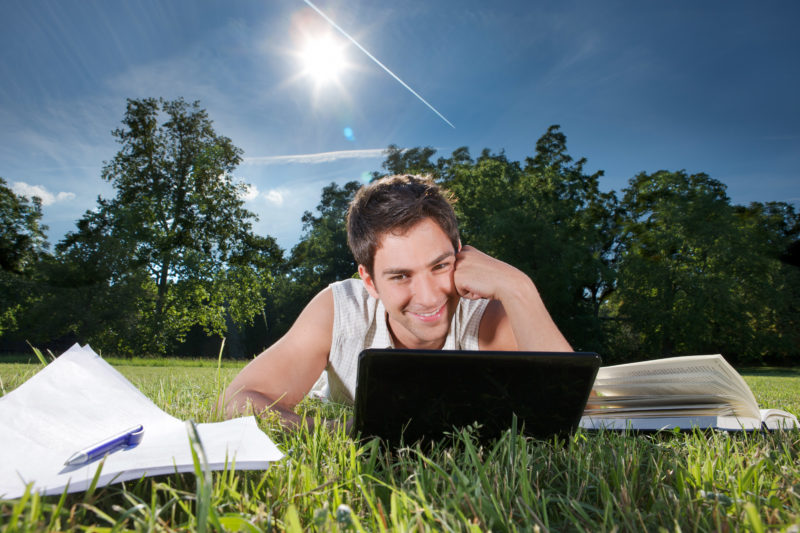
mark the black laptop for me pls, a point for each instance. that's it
(408, 395)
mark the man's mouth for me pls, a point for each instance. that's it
(432, 316)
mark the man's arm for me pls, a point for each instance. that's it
(516, 318)
(283, 374)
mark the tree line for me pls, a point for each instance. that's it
(171, 264)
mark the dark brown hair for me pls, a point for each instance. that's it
(395, 204)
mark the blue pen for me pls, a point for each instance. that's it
(129, 437)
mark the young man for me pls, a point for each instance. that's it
(419, 288)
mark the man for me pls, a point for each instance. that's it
(419, 289)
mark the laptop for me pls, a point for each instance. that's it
(407, 395)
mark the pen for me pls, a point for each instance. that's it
(129, 437)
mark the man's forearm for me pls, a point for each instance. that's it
(478, 275)
(254, 403)
(246, 403)
(525, 307)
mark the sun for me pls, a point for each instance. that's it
(323, 60)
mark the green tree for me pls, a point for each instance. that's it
(321, 257)
(23, 244)
(22, 237)
(407, 161)
(698, 275)
(772, 296)
(579, 227)
(175, 240)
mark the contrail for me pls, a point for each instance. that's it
(372, 57)
(322, 157)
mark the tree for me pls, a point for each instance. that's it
(407, 161)
(772, 297)
(321, 257)
(698, 275)
(22, 245)
(176, 239)
(22, 238)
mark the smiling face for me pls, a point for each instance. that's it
(413, 277)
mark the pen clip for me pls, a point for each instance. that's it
(136, 436)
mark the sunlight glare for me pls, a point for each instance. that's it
(323, 60)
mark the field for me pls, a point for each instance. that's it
(330, 482)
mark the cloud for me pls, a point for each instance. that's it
(251, 192)
(23, 189)
(274, 197)
(322, 157)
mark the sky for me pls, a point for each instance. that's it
(635, 86)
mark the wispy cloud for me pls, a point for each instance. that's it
(275, 197)
(23, 189)
(321, 157)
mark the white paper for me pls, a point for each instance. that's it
(78, 400)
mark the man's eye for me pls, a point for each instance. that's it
(441, 266)
(398, 277)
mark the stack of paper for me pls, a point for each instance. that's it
(78, 400)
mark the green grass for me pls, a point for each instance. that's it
(329, 482)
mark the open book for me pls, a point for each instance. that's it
(701, 391)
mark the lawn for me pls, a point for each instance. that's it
(330, 482)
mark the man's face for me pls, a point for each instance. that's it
(413, 277)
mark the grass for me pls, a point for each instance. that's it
(330, 482)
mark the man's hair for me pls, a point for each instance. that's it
(395, 204)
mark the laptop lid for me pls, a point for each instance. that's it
(422, 394)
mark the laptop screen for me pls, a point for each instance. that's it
(417, 394)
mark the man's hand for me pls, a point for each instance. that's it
(478, 275)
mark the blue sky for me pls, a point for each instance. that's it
(636, 86)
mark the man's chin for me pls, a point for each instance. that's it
(432, 337)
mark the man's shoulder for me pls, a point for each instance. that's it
(349, 288)
(350, 297)
(355, 314)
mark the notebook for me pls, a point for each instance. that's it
(406, 395)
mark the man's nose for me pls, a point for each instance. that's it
(426, 291)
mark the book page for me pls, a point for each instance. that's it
(677, 376)
(687, 423)
(648, 400)
(655, 412)
(778, 419)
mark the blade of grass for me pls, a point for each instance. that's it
(38, 354)
(204, 512)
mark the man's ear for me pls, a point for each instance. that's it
(369, 281)
(459, 246)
